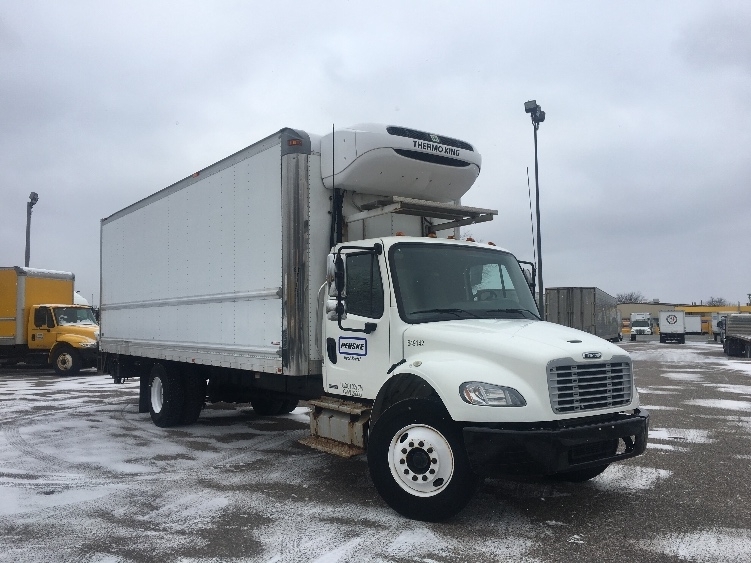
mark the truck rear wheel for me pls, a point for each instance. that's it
(417, 461)
(167, 397)
(66, 361)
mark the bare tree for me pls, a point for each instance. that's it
(717, 302)
(631, 297)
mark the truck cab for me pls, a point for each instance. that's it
(67, 334)
(448, 332)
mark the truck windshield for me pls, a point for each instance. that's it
(640, 323)
(74, 316)
(438, 282)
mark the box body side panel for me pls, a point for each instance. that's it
(196, 274)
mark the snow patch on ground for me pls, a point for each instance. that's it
(683, 376)
(692, 436)
(720, 545)
(659, 408)
(666, 447)
(627, 478)
(725, 404)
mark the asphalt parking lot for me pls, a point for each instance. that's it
(85, 477)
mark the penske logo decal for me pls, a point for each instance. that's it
(353, 346)
(434, 147)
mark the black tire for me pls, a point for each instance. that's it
(66, 361)
(633, 338)
(268, 406)
(166, 396)
(662, 339)
(195, 397)
(418, 463)
(683, 339)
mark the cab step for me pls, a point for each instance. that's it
(338, 427)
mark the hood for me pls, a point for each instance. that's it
(529, 340)
(87, 331)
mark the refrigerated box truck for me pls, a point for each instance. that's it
(584, 308)
(323, 268)
(673, 326)
(641, 323)
(737, 335)
(41, 323)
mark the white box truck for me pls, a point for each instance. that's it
(693, 324)
(641, 323)
(673, 326)
(321, 268)
(584, 308)
(737, 335)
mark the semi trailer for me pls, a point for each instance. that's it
(585, 308)
(737, 335)
(328, 269)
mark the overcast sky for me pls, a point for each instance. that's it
(644, 156)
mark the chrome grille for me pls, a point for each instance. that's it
(589, 386)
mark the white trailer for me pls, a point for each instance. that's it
(584, 308)
(321, 269)
(673, 326)
(693, 324)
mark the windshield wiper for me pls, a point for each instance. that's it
(457, 312)
(519, 311)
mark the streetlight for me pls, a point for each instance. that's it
(33, 198)
(538, 116)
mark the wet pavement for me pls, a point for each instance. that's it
(85, 477)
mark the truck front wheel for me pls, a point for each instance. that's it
(166, 397)
(418, 463)
(66, 361)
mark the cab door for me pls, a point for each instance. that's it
(356, 345)
(41, 322)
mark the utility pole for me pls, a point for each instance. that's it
(538, 116)
(33, 198)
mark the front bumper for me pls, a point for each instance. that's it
(89, 356)
(575, 444)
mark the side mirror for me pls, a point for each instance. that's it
(339, 274)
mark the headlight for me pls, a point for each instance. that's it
(87, 345)
(487, 395)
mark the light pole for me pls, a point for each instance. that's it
(538, 116)
(33, 198)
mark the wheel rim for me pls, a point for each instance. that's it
(157, 394)
(421, 460)
(64, 361)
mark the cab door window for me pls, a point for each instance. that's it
(364, 288)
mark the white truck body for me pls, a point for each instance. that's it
(589, 309)
(673, 326)
(641, 323)
(261, 280)
(693, 324)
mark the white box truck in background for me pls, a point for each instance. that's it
(673, 326)
(279, 274)
(585, 308)
(693, 324)
(641, 323)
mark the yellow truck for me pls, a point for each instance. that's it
(40, 322)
